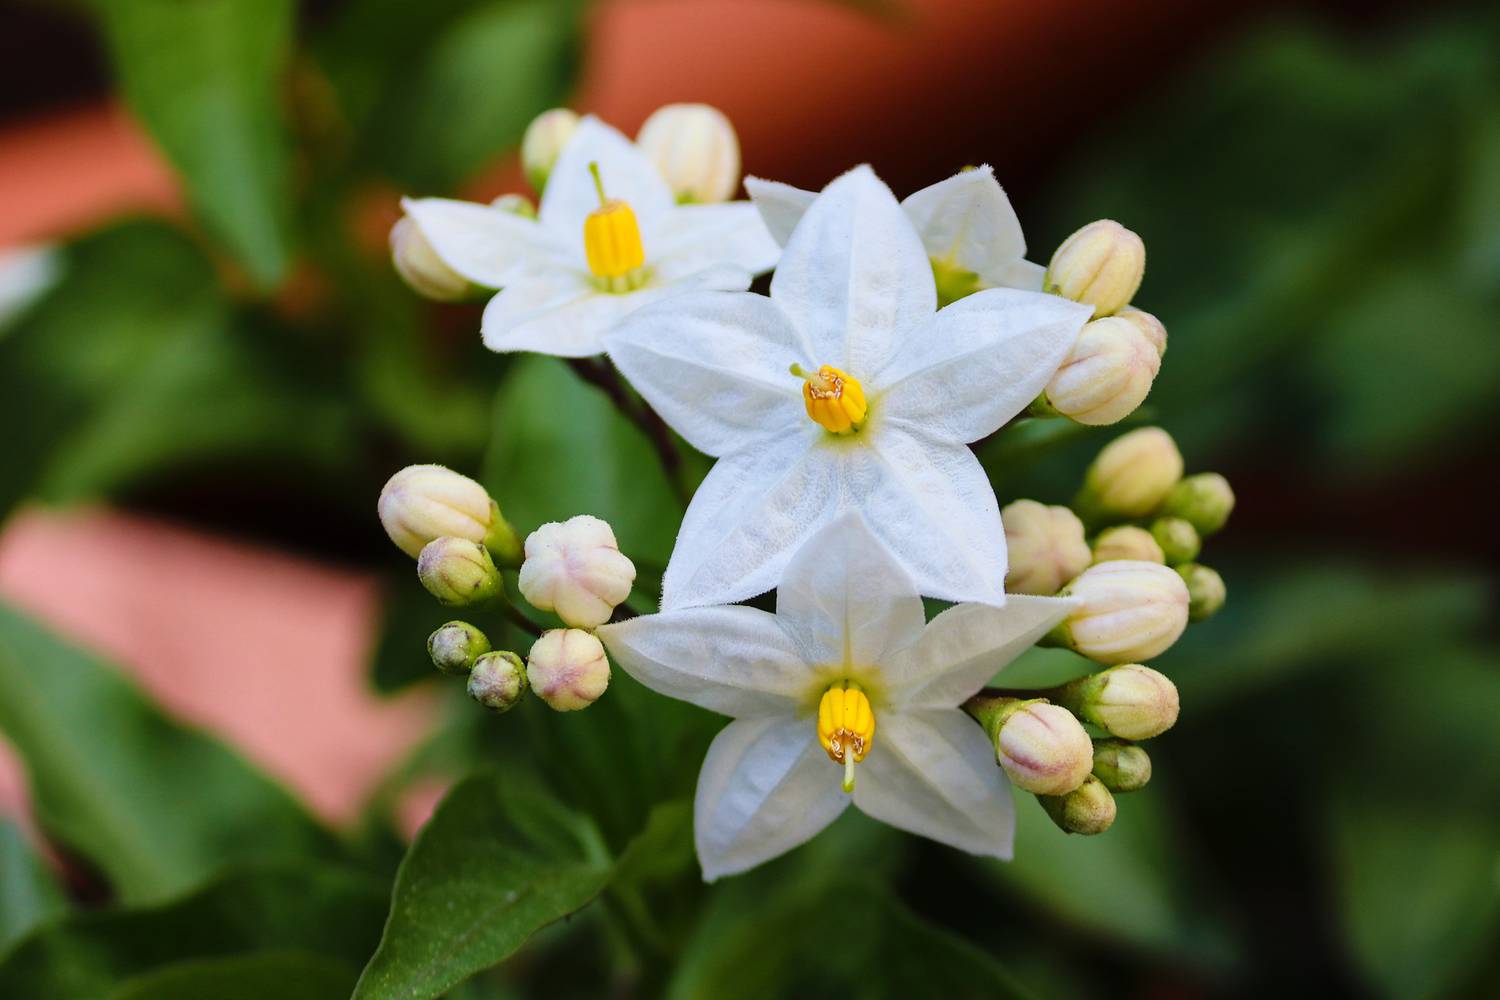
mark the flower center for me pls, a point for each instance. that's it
(834, 400)
(846, 727)
(612, 242)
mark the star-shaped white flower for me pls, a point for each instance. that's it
(966, 222)
(890, 391)
(552, 297)
(847, 669)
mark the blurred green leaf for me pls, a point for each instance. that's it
(155, 805)
(205, 78)
(285, 975)
(29, 894)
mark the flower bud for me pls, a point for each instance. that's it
(1107, 374)
(543, 143)
(422, 269)
(577, 570)
(567, 669)
(515, 204)
(455, 646)
(1132, 475)
(696, 150)
(1178, 539)
(1121, 766)
(1045, 546)
(1089, 809)
(424, 502)
(1042, 747)
(1128, 610)
(1203, 500)
(458, 572)
(1206, 591)
(1129, 701)
(1127, 542)
(498, 681)
(1100, 265)
(1151, 327)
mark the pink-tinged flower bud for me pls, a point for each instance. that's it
(498, 681)
(1204, 500)
(543, 143)
(458, 572)
(577, 570)
(424, 502)
(422, 269)
(1206, 592)
(1131, 476)
(1045, 547)
(1151, 327)
(1100, 265)
(1127, 611)
(1178, 539)
(455, 646)
(1121, 766)
(1088, 810)
(567, 669)
(1127, 542)
(1106, 376)
(696, 150)
(1129, 701)
(1041, 746)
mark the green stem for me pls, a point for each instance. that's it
(603, 376)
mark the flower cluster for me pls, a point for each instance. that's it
(840, 408)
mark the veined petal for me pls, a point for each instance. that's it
(932, 772)
(978, 362)
(628, 175)
(734, 660)
(968, 221)
(732, 233)
(933, 506)
(765, 788)
(748, 517)
(964, 646)
(847, 598)
(714, 365)
(781, 205)
(484, 243)
(854, 275)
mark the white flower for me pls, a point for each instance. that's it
(966, 223)
(559, 297)
(576, 568)
(888, 392)
(845, 669)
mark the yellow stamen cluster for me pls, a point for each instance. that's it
(846, 727)
(612, 240)
(834, 400)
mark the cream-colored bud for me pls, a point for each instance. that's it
(1206, 591)
(515, 204)
(421, 268)
(543, 143)
(1127, 541)
(1043, 748)
(1204, 500)
(1132, 475)
(458, 572)
(567, 669)
(696, 150)
(1178, 539)
(498, 680)
(455, 646)
(1130, 701)
(1127, 611)
(1106, 376)
(1100, 265)
(1123, 767)
(1149, 325)
(1088, 810)
(423, 502)
(577, 570)
(1045, 547)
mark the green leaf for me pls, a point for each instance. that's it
(286, 975)
(204, 77)
(496, 863)
(29, 895)
(313, 909)
(155, 805)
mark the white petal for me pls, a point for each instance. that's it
(483, 243)
(854, 275)
(846, 596)
(933, 506)
(1022, 274)
(967, 219)
(932, 772)
(781, 205)
(695, 235)
(627, 174)
(978, 363)
(714, 365)
(734, 660)
(963, 647)
(766, 787)
(748, 517)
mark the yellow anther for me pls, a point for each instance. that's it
(612, 240)
(846, 727)
(834, 400)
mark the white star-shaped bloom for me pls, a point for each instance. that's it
(889, 391)
(554, 298)
(848, 669)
